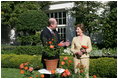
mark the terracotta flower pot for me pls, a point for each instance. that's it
(51, 64)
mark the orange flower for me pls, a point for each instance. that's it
(69, 61)
(67, 72)
(22, 71)
(64, 74)
(52, 39)
(60, 44)
(51, 46)
(26, 68)
(21, 66)
(50, 42)
(30, 77)
(31, 69)
(36, 75)
(83, 46)
(53, 71)
(94, 76)
(62, 63)
(42, 76)
(65, 58)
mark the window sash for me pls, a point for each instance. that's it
(61, 19)
(60, 16)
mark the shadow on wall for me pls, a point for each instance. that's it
(70, 30)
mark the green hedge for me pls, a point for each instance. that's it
(13, 60)
(102, 67)
(30, 50)
(36, 50)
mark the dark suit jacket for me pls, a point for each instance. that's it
(46, 36)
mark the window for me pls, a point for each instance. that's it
(60, 16)
(62, 33)
(61, 19)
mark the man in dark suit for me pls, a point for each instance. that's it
(48, 33)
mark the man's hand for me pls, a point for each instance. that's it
(67, 43)
(62, 42)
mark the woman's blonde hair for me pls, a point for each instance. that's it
(81, 26)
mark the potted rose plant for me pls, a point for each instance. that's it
(52, 50)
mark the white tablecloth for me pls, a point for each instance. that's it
(45, 71)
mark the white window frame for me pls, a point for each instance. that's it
(62, 18)
(60, 26)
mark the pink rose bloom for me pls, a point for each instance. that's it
(21, 66)
(30, 69)
(62, 63)
(65, 58)
(67, 72)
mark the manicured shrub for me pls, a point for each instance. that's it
(33, 50)
(30, 50)
(104, 67)
(32, 20)
(7, 49)
(13, 60)
(30, 40)
(101, 67)
(28, 23)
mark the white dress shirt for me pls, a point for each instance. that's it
(50, 30)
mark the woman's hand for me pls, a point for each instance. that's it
(79, 53)
(67, 43)
(83, 50)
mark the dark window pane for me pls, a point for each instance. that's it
(60, 15)
(64, 20)
(64, 30)
(64, 14)
(51, 15)
(55, 15)
(61, 30)
(60, 21)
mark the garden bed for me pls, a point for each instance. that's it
(103, 67)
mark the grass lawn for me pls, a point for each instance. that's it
(10, 73)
